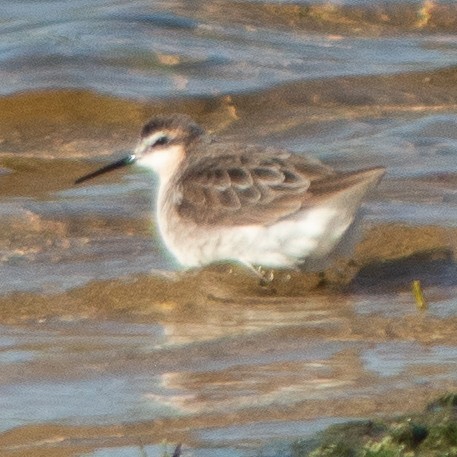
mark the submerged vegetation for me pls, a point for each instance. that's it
(432, 433)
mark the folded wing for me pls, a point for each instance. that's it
(251, 187)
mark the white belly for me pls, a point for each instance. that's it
(309, 237)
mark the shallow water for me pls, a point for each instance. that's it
(106, 347)
(145, 49)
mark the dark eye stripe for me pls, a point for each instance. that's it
(161, 141)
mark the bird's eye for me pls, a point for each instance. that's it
(161, 141)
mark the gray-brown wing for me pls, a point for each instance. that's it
(247, 188)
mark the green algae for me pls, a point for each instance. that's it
(432, 433)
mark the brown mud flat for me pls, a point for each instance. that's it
(361, 19)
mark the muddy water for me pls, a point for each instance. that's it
(106, 346)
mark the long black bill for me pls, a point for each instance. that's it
(110, 167)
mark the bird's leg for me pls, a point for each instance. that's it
(265, 276)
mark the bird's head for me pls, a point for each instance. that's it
(162, 146)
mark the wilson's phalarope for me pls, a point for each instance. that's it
(259, 206)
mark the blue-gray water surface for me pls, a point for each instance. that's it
(106, 346)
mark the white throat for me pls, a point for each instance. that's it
(164, 161)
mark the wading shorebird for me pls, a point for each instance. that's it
(259, 206)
